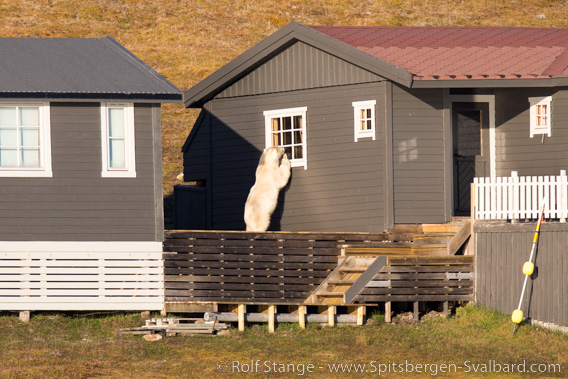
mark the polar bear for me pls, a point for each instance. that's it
(272, 174)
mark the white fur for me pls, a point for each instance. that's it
(272, 174)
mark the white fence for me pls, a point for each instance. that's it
(62, 276)
(520, 197)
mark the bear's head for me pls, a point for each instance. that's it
(271, 156)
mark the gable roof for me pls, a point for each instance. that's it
(449, 53)
(416, 56)
(78, 68)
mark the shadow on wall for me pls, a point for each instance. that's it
(228, 171)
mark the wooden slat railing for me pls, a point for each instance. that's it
(253, 268)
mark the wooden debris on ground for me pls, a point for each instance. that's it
(176, 326)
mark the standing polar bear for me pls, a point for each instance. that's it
(272, 174)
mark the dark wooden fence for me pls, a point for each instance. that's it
(501, 250)
(253, 268)
(420, 279)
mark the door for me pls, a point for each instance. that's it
(470, 128)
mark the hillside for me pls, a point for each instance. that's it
(186, 40)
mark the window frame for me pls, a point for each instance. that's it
(535, 102)
(288, 112)
(45, 167)
(357, 107)
(129, 171)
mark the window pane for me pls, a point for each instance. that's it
(30, 157)
(29, 116)
(116, 153)
(298, 154)
(287, 138)
(363, 125)
(116, 122)
(8, 137)
(275, 124)
(276, 139)
(369, 125)
(298, 137)
(369, 113)
(297, 122)
(30, 137)
(8, 157)
(287, 123)
(8, 116)
(288, 151)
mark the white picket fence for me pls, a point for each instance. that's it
(520, 197)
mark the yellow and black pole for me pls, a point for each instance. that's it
(528, 269)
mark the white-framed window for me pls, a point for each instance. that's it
(25, 140)
(364, 116)
(117, 140)
(540, 114)
(287, 128)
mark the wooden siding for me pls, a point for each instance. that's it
(196, 150)
(229, 267)
(76, 204)
(419, 166)
(67, 275)
(515, 150)
(342, 188)
(300, 66)
(501, 250)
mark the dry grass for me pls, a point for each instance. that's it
(186, 40)
(55, 346)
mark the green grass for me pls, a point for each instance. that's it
(77, 346)
(187, 40)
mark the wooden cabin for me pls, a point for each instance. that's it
(390, 126)
(80, 176)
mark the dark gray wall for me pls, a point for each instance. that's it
(501, 250)
(515, 150)
(342, 189)
(76, 204)
(419, 162)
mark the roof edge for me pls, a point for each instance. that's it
(206, 89)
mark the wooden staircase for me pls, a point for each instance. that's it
(427, 240)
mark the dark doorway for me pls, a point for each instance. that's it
(470, 128)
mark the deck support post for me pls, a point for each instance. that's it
(388, 312)
(241, 309)
(302, 316)
(446, 308)
(25, 316)
(331, 310)
(361, 311)
(271, 314)
(145, 315)
(416, 311)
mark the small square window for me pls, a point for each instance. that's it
(287, 128)
(364, 114)
(25, 140)
(540, 114)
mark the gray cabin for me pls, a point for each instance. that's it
(384, 125)
(80, 176)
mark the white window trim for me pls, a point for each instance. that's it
(357, 106)
(130, 153)
(300, 111)
(534, 129)
(45, 170)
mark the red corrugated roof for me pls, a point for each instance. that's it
(434, 53)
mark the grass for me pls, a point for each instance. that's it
(186, 40)
(55, 345)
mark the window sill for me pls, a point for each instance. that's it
(118, 174)
(4, 173)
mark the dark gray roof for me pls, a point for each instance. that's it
(78, 68)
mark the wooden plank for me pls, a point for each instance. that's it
(449, 260)
(386, 298)
(177, 280)
(400, 269)
(246, 272)
(421, 283)
(241, 317)
(417, 291)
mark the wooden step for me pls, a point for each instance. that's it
(341, 282)
(330, 294)
(440, 228)
(413, 251)
(352, 269)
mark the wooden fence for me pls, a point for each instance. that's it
(36, 276)
(253, 268)
(519, 197)
(419, 279)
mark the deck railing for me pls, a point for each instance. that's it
(520, 197)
